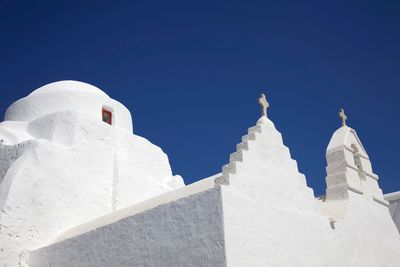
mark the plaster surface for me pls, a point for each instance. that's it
(266, 216)
(394, 208)
(68, 95)
(184, 232)
(271, 217)
(61, 166)
(75, 191)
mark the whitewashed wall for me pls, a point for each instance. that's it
(268, 217)
(186, 232)
(272, 219)
(394, 200)
(61, 168)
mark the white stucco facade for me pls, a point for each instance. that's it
(394, 208)
(271, 217)
(61, 165)
(131, 211)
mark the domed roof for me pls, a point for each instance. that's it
(345, 137)
(69, 85)
(81, 97)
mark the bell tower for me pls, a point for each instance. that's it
(349, 167)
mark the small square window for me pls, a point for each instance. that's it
(107, 116)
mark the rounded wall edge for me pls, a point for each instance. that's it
(37, 105)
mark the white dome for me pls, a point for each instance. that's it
(84, 98)
(73, 86)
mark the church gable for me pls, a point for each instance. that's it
(86, 191)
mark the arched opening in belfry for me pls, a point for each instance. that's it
(357, 158)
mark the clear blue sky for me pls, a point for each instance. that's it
(191, 71)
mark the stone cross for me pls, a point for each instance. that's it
(343, 117)
(264, 104)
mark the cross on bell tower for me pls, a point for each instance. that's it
(264, 105)
(343, 117)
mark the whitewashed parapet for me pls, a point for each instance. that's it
(237, 157)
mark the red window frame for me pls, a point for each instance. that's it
(103, 112)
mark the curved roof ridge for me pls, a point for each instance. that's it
(340, 138)
(69, 85)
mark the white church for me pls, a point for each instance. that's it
(79, 189)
